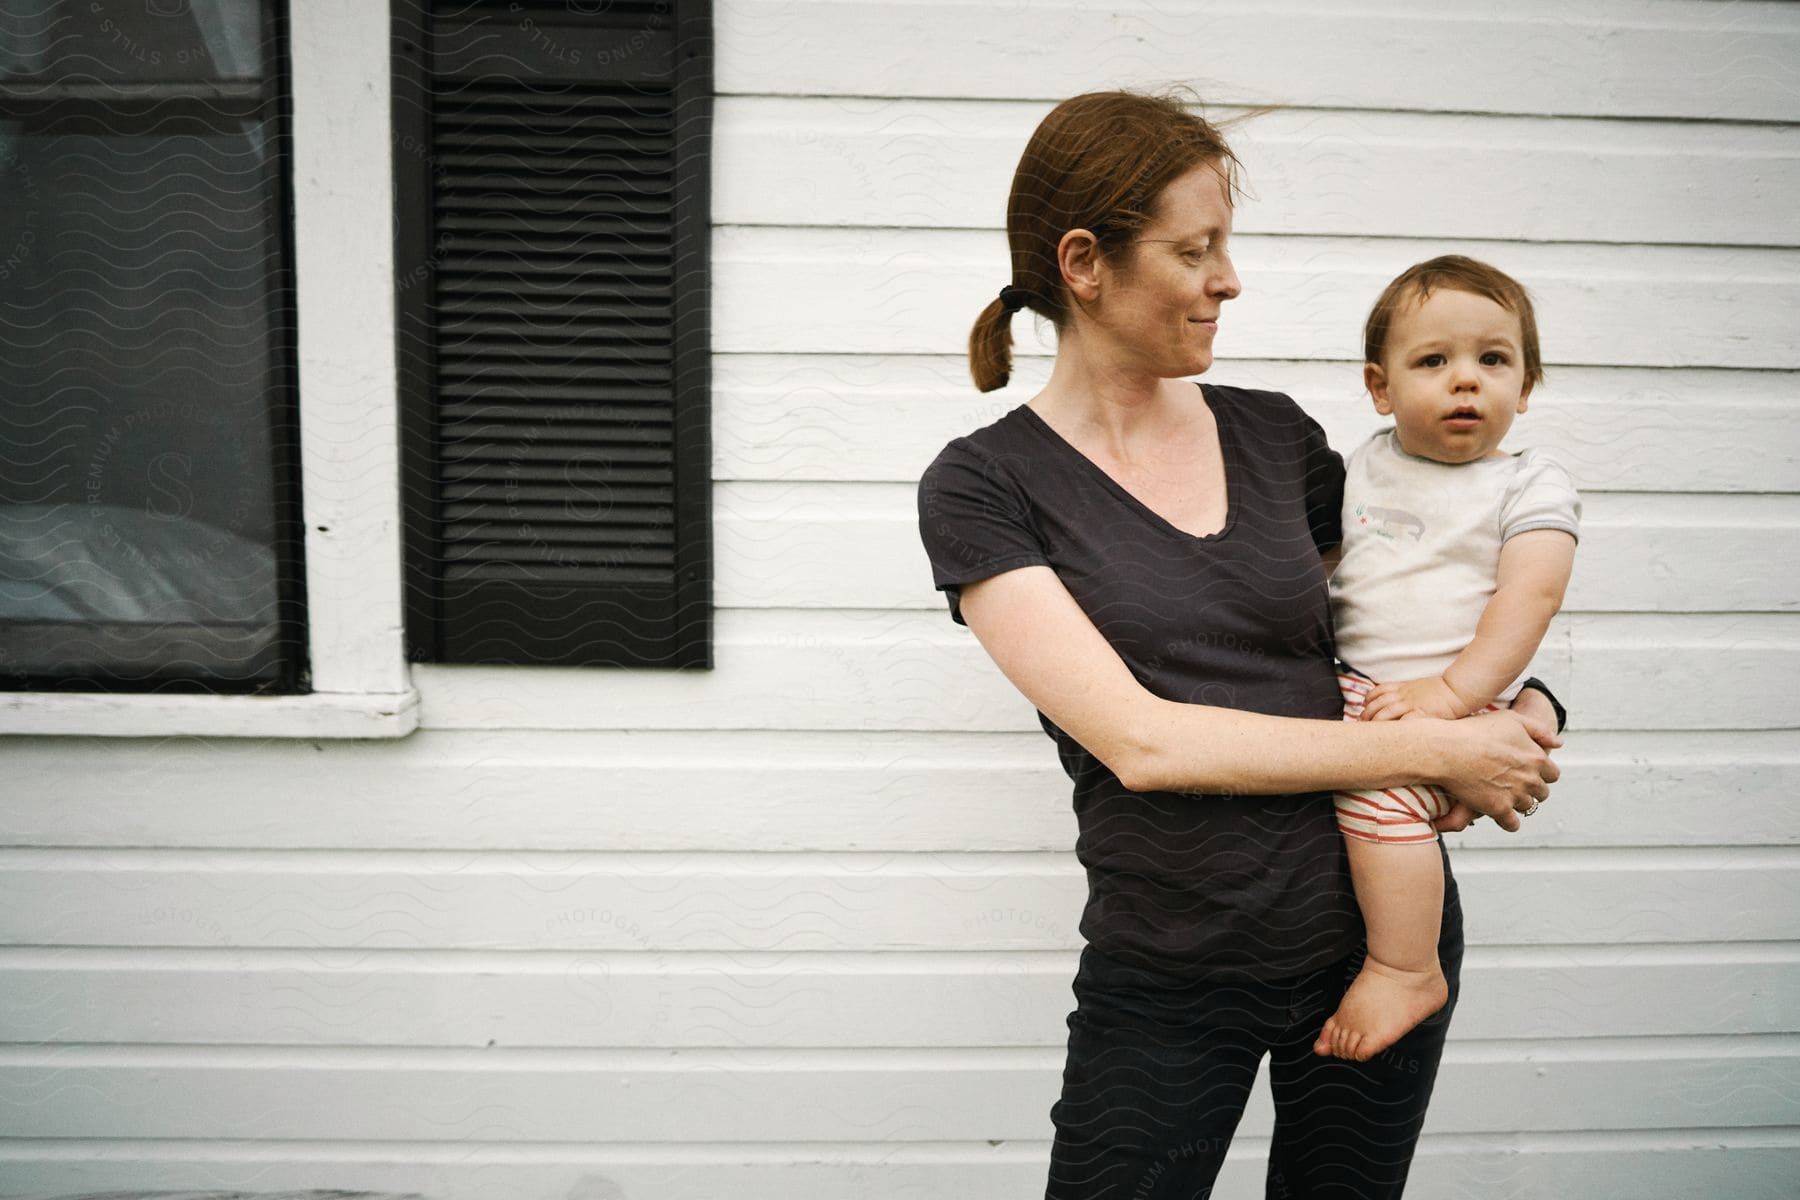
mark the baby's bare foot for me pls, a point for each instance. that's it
(1381, 1006)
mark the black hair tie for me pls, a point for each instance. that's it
(1012, 299)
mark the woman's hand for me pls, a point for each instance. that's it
(1497, 764)
(1459, 818)
(1539, 719)
(1539, 716)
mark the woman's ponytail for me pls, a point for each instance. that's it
(990, 347)
(990, 342)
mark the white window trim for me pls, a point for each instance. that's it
(350, 468)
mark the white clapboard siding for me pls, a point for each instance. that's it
(526, 1096)
(627, 999)
(770, 791)
(915, 291)
(834, 669)
(856, 546)
(1744, 1164)
(782, 902)
(940, 165)
(837, 417)
(1613, 59)
(802, 927)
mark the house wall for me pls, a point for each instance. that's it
(803, 926)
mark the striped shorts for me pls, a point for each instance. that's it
(1396, 814)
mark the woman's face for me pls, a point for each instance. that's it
(1159, 303)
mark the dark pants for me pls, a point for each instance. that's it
(1159, 1069)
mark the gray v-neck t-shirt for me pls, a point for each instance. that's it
(1197, 885)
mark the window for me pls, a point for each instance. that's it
(551, 185)
(149, 515)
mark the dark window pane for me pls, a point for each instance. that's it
(143, 350)
(126, 41)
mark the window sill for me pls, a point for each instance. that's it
(319, 715)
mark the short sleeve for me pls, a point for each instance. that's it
(975, 521)
(1324, 483)
(1542, 495)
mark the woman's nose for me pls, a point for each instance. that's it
(1226, 285)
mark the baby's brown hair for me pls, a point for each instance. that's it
(1459, 274)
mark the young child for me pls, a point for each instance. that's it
(1454, 559)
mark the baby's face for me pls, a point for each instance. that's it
(1452, 376)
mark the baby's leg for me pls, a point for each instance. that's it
(1399, 879)
(1400, 888)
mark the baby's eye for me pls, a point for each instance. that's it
(1432, 360)
(1493, 358)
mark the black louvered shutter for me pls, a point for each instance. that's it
(553, 291)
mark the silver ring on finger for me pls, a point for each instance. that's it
(1532, 809)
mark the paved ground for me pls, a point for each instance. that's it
(314, 1195)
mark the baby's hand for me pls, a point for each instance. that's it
(1428, 697)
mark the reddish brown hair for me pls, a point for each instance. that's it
(1098, 162)
(1457, 274)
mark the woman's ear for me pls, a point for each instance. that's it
(1078, 256)
(1375, 379)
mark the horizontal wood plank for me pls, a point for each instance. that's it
(917, 291)
(1615, 58)
(763, 790)
(857, 546)
(915, 670)
(774, 902)
(636, 999)
(1753, 1164)
(795, 1095)
(949, 164)
(794, 418)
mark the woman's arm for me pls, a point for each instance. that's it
(1039, 637)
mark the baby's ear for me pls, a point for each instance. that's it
(1375, 379)
(1524, 395)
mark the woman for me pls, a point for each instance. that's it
(1141, 557)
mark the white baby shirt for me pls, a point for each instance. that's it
(1422, 546)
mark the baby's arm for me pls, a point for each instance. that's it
(1529, 585)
